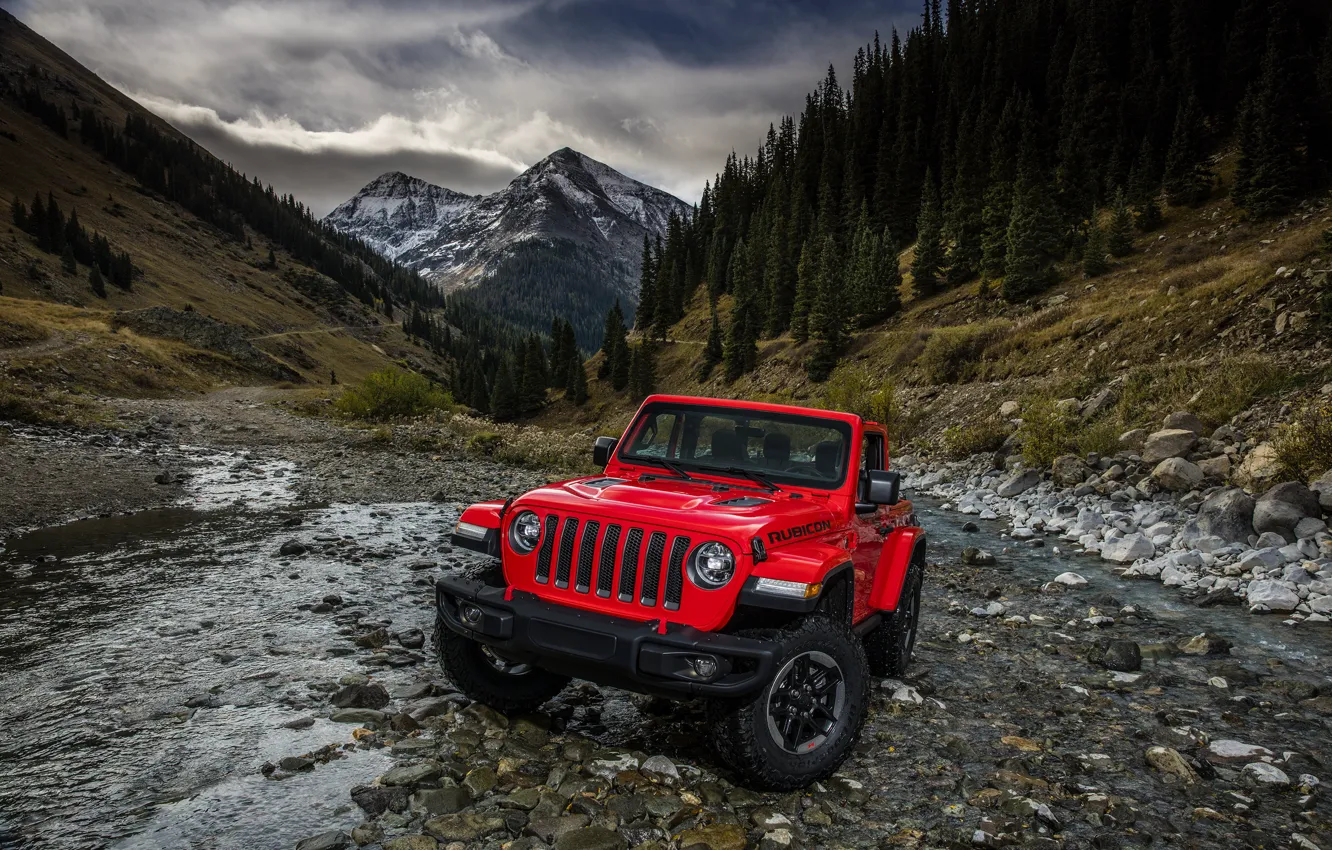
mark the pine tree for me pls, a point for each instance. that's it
(1032, 238)
(806, 285)
(532, 379)
(928, 265)
(620, 372)
(740, 352)
(828, 319)
(19, 213)
(1271, 130)
(1094, 263)
(95, 281)
(647, 290)
(713, 349)
(271, 262)
(612, 336)
(1120, 238)
(1188, 179)
(504, 401)
(559, 357)
(643, 371)
(67, 262)
(37, 222)
(577, 392)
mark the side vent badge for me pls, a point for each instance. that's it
(757, 549)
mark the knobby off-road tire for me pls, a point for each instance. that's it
(482, 675)
(748, 733)
(889, 647)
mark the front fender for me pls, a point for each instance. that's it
(902, 545)
(478, 528)
(804, 563)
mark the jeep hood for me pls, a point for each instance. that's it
(736, 512)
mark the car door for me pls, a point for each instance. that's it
(867, 524)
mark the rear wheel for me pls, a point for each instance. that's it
(889, 647)
(803, 725)
(504, 684)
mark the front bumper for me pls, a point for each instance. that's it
(601, 648)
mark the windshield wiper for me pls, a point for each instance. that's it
(757, 477)
(669, 464)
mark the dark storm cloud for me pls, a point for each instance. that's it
(319, 96)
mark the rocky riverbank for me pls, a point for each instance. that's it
(1162, 509)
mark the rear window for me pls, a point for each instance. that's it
(806, 451)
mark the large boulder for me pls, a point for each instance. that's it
(1216, 468)
(1259, 470)
(1068, 471)
(1183, 421)
(1323, 487)
(1170, 442)
(1133, 440)
(1272, 595)
(1177, 474)
(1281, 508)
(1127, 549)
(1018, 483)
(1227, 514)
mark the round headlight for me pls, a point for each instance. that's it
(712, 565)
(525, 532)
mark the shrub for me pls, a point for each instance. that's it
(1304, 446)
(484, 443)
(853, 390)
(1213, 391)
(963, 441)
(1046, 433)
(391, 393)
(1101, 437)
(950, 354)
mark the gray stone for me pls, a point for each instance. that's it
(374, 800)
(1308, 527)
(550, 829)
(976, 557)
(1018, 483)
(1133, 439)
(1127, 549)
(1068, 470)
(1122, 655)
(1175, 442)
(465, 826)
(1259, 469)
(1273, 595)
(591, 838)
(411, 774)
(334, 839)
(358, 715)
(371, 695)
(292, 548)
(1217, 468)
(1227, 514)
(433, 802)
(1183, 421)
(1177, 474)
(1323, 487)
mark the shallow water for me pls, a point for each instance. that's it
(108, 627)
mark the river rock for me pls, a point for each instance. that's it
(660, 769)
(1215, 468)
(1227, 514)
(1323, 487)
(411, 638)
(358, 715)
(411, 774)
(433, 802)
(1172, 442)
(293, 548)
(334, 839)
(1272, 595)
(1127, 549)
(1205, 644)
(1018, 483)
(977, 557)
(412, 842)
(1259, 470)
(1183, 421)
(591, 838)
(374, 800)
(1177, 474)
(551, 829)
(1168, 760)
(1124, 656)
(1071, 580)
(1133, 439)
(370, 695)
(1068, 470)
(1226, 750)
(1262, 773)
(717, 836)
(1282, 507)
(465, 826)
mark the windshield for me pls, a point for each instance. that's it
(806, 451)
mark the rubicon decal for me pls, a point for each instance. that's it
(795, 532)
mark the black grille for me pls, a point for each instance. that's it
(547, 546)
(656, 549)
(567, 537)
(629, 564)
(585, 552)
(606, 569)
(675, 574)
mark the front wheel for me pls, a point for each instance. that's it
(488, 677)
(802, 726)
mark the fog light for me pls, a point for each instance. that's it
(705, 667)
(471, 615)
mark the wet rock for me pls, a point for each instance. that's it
(480, 781)
(411, 639)
(334, 839)
(1168, 761)
(374, 800)
(970, 527)
(718, 836)
(433, 802)
(1124, 656)
(1177, 474)
(591, 838)
(1168, 442)
(1227, 750)
(367, 833)
(1205, 644)
(487, 715)
(976, 557)
(291, 549)
(777, 839)
(1227, 514)
(374, 639)
(412, 842)
(1262, 773)
(370, 695)
(411, 775)
(1070, 580)
(1018, 483)
(1127, 549)
(660, 769)
(550, 829)
(299, 723)
(1272, 595)
(465, 826)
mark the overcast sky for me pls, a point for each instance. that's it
(320, 96)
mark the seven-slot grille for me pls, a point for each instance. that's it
(627, 561)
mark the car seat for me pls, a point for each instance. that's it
(777, 451)
(826, 456)
(726, 445)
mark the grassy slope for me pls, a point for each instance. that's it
(183, 261)
(1186, 322)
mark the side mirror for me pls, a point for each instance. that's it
(602, 449)
(884, 485)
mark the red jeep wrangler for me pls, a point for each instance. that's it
(756, 555)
